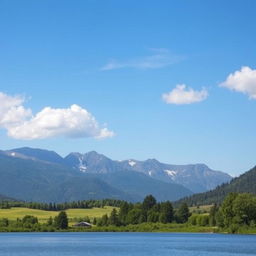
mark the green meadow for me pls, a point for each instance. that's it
(73, 214)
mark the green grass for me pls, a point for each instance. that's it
(155, 227)
(200, 209)
(43, 216)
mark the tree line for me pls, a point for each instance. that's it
(84, 204)
(148, 211)
(237, 211)
(236, 214)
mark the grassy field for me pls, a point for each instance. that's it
(43, 216)
(200, 209)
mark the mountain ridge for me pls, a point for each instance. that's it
(36, 180)
(195, 177)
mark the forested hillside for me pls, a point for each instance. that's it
(245, 183)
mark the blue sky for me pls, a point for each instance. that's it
(113, 61)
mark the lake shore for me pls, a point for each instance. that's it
(144, 227)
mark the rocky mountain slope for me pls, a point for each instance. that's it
(31, 176)
(195, 177)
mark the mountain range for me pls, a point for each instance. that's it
(41, 175)
(195, 177)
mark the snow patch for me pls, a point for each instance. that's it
(131, 163)
(81, 166)
(170, 173)
(150, 173)
(13, 154)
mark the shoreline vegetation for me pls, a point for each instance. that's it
(149, 227)
(236, 215)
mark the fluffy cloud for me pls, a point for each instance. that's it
(184, 95)
(243, 80)
(158, 59)
(11, 110)
(73, 122)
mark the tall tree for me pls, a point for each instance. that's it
(113, 219)
(244, 208)
(212, 215)
(61, 221)
(166, 212)
(183, 213)
(124, 209)
(134, 216)
(104, 220)
(148, 203)
(227, 210)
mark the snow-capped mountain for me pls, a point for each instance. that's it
(92, 162)
(44, 176)
(196, 177)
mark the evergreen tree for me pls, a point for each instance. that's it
(182, 214)
(113, 219)
(134, 216)
(104, 220)
(50, 221)
(166, 212)
(212, 215)
(61, 221)
(124, 209)
(148, 203)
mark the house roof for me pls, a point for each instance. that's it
(83, 223)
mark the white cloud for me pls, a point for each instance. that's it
(158, 59)
(184, 95)
(243, 80)
(73, 122)
(11, 110)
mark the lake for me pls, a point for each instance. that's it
(125, 244)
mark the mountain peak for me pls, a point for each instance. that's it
(94, 156)
(40, 154)
(152, 160)
(74, 154)
(93, 153)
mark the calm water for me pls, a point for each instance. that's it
(124, 244)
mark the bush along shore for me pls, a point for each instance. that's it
(237, 214)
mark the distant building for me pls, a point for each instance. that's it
(83, 224)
